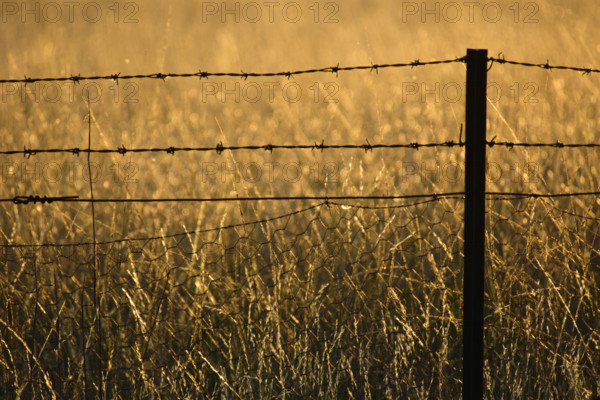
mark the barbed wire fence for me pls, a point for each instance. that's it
(260, 307)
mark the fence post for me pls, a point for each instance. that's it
(473, 289)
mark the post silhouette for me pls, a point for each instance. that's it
(473, 290)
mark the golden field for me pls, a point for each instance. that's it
(291, 299)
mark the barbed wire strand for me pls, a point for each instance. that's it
(520, 195)
(501, 60)
(35, 199)
(557, 144)
(220, 148)
(243, 75)
(290, 74)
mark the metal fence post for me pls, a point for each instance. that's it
(475, 162)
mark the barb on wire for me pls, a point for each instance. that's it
(501, 60)
(243, 75)
(220, 148)
(39, 199)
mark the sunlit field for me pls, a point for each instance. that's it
(347, 298)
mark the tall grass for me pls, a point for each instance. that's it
(358, 300)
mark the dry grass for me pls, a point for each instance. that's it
(336, 301)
